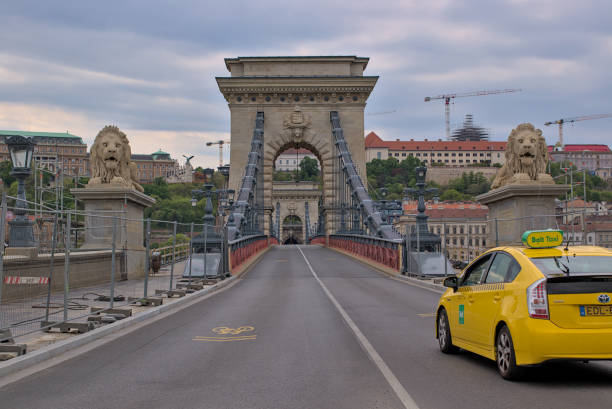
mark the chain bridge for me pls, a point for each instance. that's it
(316, 103)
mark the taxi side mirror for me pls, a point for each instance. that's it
(451, 282)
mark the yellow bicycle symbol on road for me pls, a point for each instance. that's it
(232, 331)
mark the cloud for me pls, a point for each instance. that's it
(150, 69)
(52, 119)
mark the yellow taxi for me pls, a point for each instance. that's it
(522, 306)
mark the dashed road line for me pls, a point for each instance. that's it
(395, 384)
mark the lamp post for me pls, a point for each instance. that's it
(224, 170)
(21, 231)
(383, 204)
(208, 174)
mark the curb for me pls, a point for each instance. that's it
(51, 351)
(422, 283)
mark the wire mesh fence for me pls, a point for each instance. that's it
(464, 239)
(83, 271)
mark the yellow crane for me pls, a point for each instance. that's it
(448, 97)
(562, 121)
(220, 143)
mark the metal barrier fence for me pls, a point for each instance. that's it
(464, 239)
(65, 284)
(385, 252)
(242, 249)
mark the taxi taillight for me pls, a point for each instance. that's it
(537, 300)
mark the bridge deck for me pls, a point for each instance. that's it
(281, 342)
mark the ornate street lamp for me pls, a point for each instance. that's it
(383, 192)
(21, 231)
(208, 174)
(224, 170)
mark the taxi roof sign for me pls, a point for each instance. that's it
(541, 239)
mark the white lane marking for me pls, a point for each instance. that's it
(395, 384)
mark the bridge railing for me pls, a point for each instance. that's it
(244, 248)
(385, 252)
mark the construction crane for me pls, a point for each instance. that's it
(447, 98)
(562, 121)
(220, 143)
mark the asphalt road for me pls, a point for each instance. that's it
(327, 333)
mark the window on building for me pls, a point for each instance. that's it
(454, 161)
(460, 154)
(453, 154)
(445, 153)
(378, 155)
(396, 153)
(403, 153)
(461, 230)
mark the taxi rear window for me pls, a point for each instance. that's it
(574, 265)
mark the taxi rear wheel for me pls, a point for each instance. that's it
(444, 335)
(505, 356)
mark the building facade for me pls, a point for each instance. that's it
(462, 226)
(596, 231)
(439, 153)
(290, 159)
(156, 165)
(53, 151)
(596, 158)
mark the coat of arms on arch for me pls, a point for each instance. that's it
(296, 124)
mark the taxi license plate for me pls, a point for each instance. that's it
(595, 310)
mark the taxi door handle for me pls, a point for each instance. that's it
(496, 298)
(471, 299)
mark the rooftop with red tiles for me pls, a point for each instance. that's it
(372, 140)
(582, 148)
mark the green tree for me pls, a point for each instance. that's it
(451, 194)
(158, 189)
(309, 169)
(5, 173)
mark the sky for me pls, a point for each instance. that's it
(149, 67)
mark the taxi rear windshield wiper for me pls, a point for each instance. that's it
(562, 266)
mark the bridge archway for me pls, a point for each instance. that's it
(292, 230)
(296, 96)
(321, 148)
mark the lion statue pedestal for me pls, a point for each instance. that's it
(523, 194)
(113, 191)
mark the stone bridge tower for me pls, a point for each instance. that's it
(296, 95)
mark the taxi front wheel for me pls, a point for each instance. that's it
(505, 356)
(444, 334)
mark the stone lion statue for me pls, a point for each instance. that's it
(110, 160)
(526, 158)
